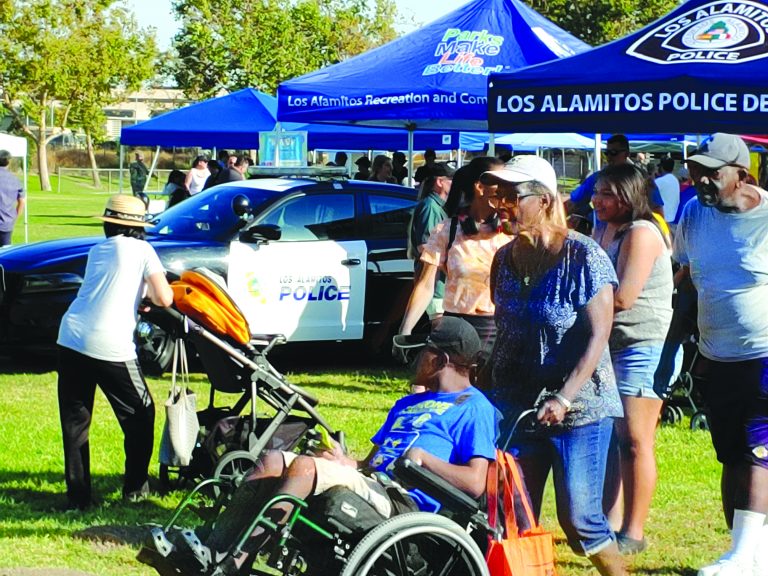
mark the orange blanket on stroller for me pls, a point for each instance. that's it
(201, 298)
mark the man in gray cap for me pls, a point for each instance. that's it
(12, 199)
(722, 244)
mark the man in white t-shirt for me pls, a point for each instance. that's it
(96, 348)
(722, 243)
(669, 188)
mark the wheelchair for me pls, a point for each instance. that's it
(340, 533)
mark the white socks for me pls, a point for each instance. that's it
(748, 555)
(761, 553)
(747, 530)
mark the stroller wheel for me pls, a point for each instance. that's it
(699, 421)
(232, 467)
(671, 415)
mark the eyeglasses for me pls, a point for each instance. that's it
(615, 152)
(510, 198)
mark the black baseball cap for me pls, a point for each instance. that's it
(456, 337)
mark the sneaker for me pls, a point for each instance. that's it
(135, 496)
(630, 546)
(726, 567)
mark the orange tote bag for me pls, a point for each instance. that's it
(511, 551)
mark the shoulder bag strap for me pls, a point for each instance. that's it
(517, 483)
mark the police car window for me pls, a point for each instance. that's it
(315, 217)
(388, 216)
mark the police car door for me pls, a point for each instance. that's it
(310, 284)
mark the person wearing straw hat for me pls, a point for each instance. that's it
(96, 348)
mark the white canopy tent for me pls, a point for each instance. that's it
(17, 146)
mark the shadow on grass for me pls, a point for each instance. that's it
(39, 512)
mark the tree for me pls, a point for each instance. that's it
(67, 56)
(600, 21)
(234, 44)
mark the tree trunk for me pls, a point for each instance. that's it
(42, 154)
(92, 158)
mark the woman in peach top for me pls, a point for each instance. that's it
(463, 248)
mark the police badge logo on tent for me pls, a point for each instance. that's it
(719, 32)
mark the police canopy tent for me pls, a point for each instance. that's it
(432, 78)
(235, 120)
(701, 68)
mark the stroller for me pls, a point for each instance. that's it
(235, 362)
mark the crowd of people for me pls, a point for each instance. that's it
(583, 327)
(580, 328)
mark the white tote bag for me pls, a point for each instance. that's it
(181, 424)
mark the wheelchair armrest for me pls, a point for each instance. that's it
(447, 494)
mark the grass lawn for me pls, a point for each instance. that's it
(685, 527)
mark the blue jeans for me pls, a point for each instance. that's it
(577, 459)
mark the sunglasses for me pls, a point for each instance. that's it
(614, 152)
(510, 198)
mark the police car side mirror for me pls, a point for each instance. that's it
(261, 233)
(241, 206)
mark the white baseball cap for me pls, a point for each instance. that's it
(524, 168)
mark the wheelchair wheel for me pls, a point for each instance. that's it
(232, 467)
(416, 543)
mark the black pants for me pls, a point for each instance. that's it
(124, 386)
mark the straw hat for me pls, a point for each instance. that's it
(126, 210)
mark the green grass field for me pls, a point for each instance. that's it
(685, 527)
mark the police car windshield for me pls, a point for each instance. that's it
(207, 215)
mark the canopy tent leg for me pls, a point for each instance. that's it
(598, 150)
(120, 170)
(26, 203)
(411, 128)
(152, 168)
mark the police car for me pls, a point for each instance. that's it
(314, 260)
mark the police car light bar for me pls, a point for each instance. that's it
(299, 171)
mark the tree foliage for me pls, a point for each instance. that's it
(64, 59)
(600, 21)
(233, 44)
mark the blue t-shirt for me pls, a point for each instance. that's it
(453, 426)
(543, 333)
(585, 190)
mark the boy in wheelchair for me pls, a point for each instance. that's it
(449, 430)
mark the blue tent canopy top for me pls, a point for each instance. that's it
(701, 68)
(235, 120)
(432, 78)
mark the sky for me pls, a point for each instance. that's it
(159, 14)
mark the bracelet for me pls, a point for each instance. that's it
(563, 400)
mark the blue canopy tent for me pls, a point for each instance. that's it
(235, 120)
(432, 78)
(701, 68)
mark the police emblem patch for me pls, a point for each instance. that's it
(719, 32)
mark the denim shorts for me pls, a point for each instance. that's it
(635, 366)
(736, 394)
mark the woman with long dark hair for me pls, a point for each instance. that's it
(462, 247)
(641, 254)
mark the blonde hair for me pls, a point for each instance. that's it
(554, 215)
